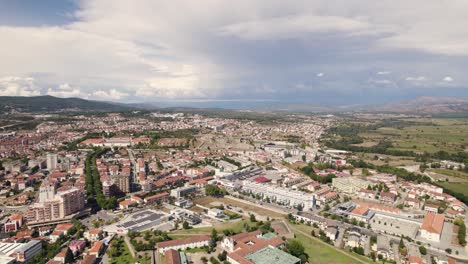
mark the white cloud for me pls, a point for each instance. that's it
(416, 78)
(448, 79)
(155, 50)
(18, 86)
(293, 26)
(111, 95)
(320, 74)
(382, 81)
(383, 72)
(65, 90)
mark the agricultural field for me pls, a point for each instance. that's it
(451, 173)
(432, 135)
(459, 187)
(383, 159)
(446, 175)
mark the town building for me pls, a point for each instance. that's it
(280, 195)
(432, 226)
(52, 160)
(255, 247)
(62, 204)
(184, 243)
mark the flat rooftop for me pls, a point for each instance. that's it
(141, 220)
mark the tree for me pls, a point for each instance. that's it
(204, 259)
(461, 231)
(213, 260)
(68, 256)
(253, 218)
(214, 190)
(359, 250)
(295, 248)
(401, 244)
(214, 236)
(422, 250)
(186, 225)
(222, 256)
(300, 207)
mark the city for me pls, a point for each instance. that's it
(153, 187)
(233, 132)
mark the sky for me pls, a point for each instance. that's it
(225, 52)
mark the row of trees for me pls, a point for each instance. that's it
(461, 231)
(93, 182)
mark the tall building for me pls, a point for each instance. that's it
(122, 181)
(61, 205)
(52, 161)
(47, 190)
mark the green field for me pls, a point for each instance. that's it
(459, 187)
(321, 253)
(431, 136)
(452, 173)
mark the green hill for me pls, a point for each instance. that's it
(54, 104)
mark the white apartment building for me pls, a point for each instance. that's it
(52, 160)
(280, 195)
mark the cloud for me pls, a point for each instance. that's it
(447, 79)
(65, 90)
(152, 50)
(293, 26)
(383, 72)
(382, 81)
(416, 78)
(111, 95)
(18, 86)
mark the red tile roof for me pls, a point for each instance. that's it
(433, 223)
(172, 257)
(182, 241)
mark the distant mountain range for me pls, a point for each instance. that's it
(427, 105)
(420, 105)
(55, 104)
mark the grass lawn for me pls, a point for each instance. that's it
(124, 258)
(194, 250)
(459, 187)
(452, 173)
(320, 253)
